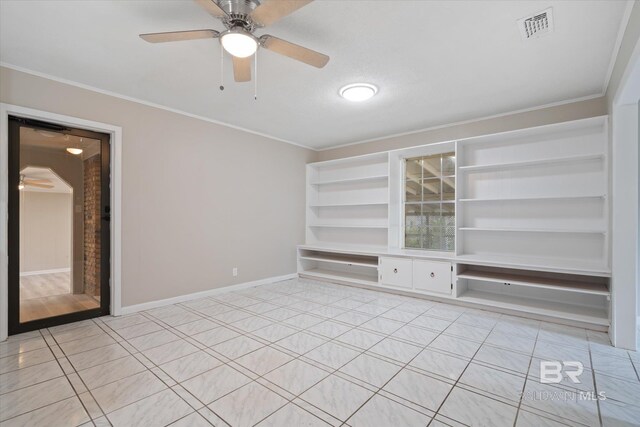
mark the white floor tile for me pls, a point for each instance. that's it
(371, 370)
(337, 397)
(292, 415)
(189, 366)
(159, 409)
(380, 411)
(235, 410)
(475, 410)
(420, 389)
(215, 383)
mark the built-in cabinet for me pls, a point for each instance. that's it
(531, 223)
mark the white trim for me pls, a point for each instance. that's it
(182, 298)
(624, 22)
(147, 103)
(464, 122)
(39, 272)
(116, 196)
(626, 271)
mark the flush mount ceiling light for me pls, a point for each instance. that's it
(358, 92)
(46, 134)
(75, 151)
(239, 43)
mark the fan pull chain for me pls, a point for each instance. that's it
(255, 87)
(221, 68)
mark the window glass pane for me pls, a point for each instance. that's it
(429, 202)
(432, 166)
(414, 168)
(449, 188)
(413, 191)
(431, 189)
(448, 165)
(413, 226)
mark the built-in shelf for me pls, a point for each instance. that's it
(533, 198)
(531, 236)
(592, 315)
(527, 163)
(559, 265)
(352, 179)
(537, 281)
(356, 278)
(348, 226)
(532, 230)
(345, 261)
(337, 205)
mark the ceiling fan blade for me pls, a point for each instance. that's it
(31, 184)
(294, 51)
(212, 7)
(176, 36)
(38, 180)
(270, 11)
(242, 69)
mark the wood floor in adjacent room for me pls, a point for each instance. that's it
(47, 295)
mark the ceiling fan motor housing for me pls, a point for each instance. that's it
(238, 13)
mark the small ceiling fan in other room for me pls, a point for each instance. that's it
(25, 181)
(241, 19)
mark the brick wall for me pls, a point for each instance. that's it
(92, 226)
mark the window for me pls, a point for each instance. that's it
(429, 202)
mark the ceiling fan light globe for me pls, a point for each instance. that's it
(74, 151)
(21, 186)
(239, 44)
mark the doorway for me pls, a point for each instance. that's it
(58, 225)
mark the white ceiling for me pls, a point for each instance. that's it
(58, 141)
(435, 62)
(59, 185)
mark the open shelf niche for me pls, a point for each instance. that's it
(359, 269)
(347, 201)
(574, 297)
(538, 196)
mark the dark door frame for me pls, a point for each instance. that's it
(14, 325)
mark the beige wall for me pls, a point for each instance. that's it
(198, 198)
(556, 114)
(45, 231)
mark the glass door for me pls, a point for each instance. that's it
(59, 238)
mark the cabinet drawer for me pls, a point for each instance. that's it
(432, 276)
(396, 272)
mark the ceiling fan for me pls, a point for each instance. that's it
(241, 19)
(33, 182)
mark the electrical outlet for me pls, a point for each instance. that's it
(235, 271)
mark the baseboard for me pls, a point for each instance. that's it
(182, 298)
(53, 271)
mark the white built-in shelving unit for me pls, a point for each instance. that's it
(347, 201)
(558, 175)
(532, 223)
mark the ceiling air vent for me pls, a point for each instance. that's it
(537, 25)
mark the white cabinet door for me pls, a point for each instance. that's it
(396, 272)
(432, 276)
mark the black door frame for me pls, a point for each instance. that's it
(13, 229)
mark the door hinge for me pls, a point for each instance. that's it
(452, 286)
(452, 268)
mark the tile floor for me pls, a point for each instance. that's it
(304, 353)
